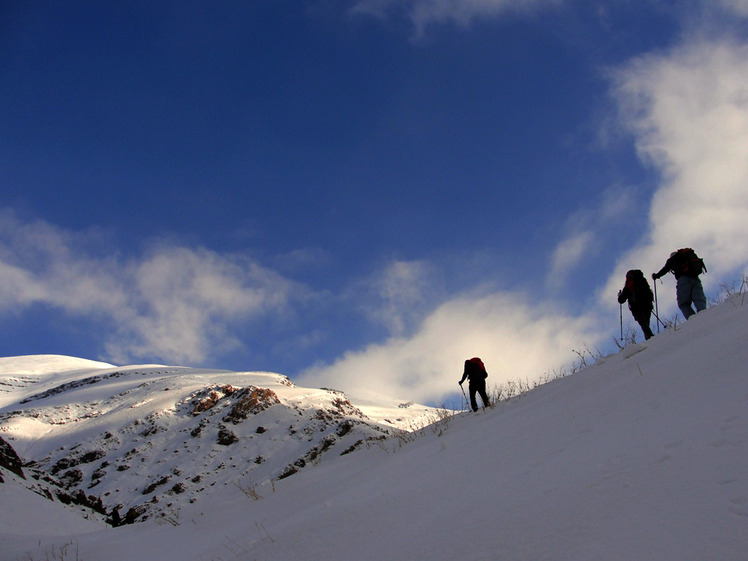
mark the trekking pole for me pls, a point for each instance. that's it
(657, 309)
(620, 317)
(464, 395)
(659, 321)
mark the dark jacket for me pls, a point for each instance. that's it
(637, 292)
(474, 371)
(677, 264)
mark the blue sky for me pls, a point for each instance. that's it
(361, 194)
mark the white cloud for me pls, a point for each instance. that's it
(187, 300)
(37, 265)
(737, 7)
(567, 256)
(588, 230)
(516, 339)
(423, 13)
(17, 287)
(688, 110)
(174, 304)
(398, 296)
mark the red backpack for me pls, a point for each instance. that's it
(479, 366)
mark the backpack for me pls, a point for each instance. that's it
(687, 263)
(477, 366)
(641, 293)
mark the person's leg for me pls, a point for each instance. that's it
(642, 318)
(644, 324)
(683, 295)
(698, 297)
(473, 403)
(484, 396)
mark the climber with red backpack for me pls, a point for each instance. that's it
(640, 298)
(475, 371)
(686, 266)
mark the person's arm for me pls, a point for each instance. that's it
(465, 373)
(664, 271)
(623, 295)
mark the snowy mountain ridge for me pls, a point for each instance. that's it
(150, 439)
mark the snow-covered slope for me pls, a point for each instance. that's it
(640, 457)
(150, 439)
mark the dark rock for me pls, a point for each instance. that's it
(71, 477)
(134, 512)
(344, 428)
(226, 437)
(91, 456)
(288, 472)
(178, 489)
(152, 486)
(251, 402)
(63, 463)
(10, 460)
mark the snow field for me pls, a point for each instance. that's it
(639, 457)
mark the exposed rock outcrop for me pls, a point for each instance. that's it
(10, 460)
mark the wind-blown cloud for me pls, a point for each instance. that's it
(589, 231)
(567, 255)
(516, 338)
(398, 297)
(38, 264)
(688, 111)
(738, 7)
(174, 304)
(423, 13)
(188, 299)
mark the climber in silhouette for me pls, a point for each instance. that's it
(475, 371)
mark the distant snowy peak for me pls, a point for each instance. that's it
(149, 439)
(22, 372)
(47, 364)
